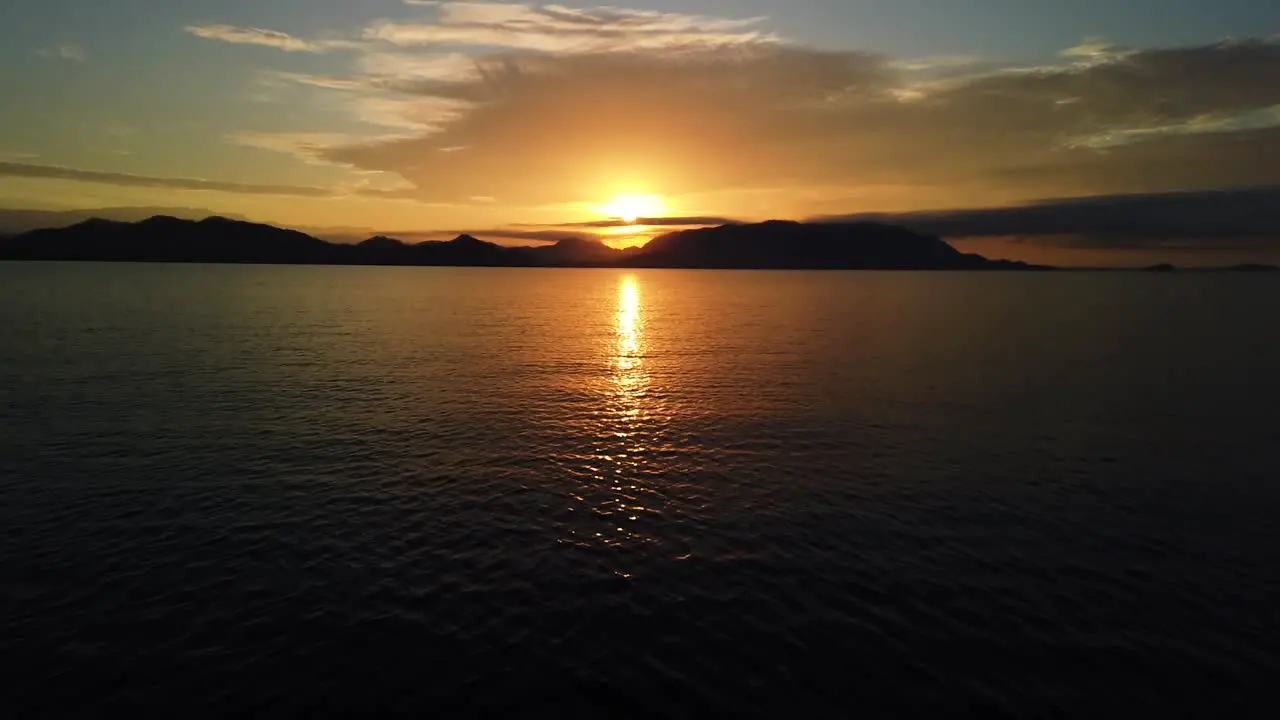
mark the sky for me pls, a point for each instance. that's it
(518, 119)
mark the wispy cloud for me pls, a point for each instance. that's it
(305, 146)
(419, 77)
(1260, 119)
(1213, 218)
(399, 66)
(556, 28)
(549, 101)
(771, 116)
(54, 172)
(937, 62)
(68, 52)
(1096, 50)
(418, 115)
(661, 222)
(327, 82)
(518, 26)
(266, 38)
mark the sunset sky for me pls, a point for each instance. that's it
(409, 115)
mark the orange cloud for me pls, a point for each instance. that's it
(543, 128)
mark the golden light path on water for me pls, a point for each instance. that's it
(628, 417)
(618, 494)
(628, 357)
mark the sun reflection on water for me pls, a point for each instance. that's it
(619, 495)
(629, 329)
(625, 416)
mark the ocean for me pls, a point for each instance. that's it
(282, 491)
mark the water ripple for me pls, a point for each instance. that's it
(291, 491)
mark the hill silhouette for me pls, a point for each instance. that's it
(794, 245)
(571, 252)
(773, 244)
(168, 239)
(15, 221)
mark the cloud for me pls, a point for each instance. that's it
(1096, 50)
(381, 100)
(585, 119)
(518, 26)
(53, 172)
(266, 38)
(936, 63)
(551, 104)
(560, 29)
(71, 53)
(415, 115)
(544, 128)
(305, 146)
(326, 82)
(1214, 219)
(381, 67)
(1259, 119)
(654, 222)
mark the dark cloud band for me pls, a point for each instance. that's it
(53, 172)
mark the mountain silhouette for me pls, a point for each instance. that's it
(573, 252)
(463, 250)
(794, 245)
(168, 239)
(773, 244)
(15, 221)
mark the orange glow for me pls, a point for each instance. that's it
(627, 236)
(630, 207)
(628, 331)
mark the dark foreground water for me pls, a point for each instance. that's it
(291, 490)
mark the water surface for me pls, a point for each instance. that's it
(284, 490)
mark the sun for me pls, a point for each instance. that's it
(630, 207)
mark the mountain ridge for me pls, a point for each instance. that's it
(774, 244)
(16, 220)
